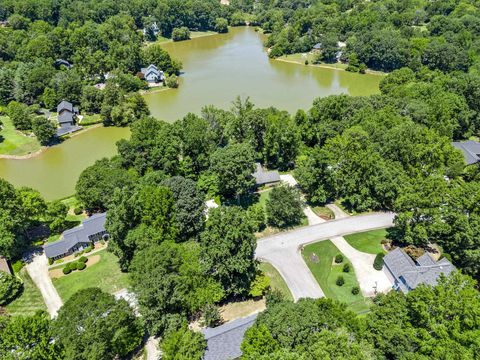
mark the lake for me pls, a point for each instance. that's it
(217, 68)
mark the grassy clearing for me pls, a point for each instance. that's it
(300, 58)
(105, 275)
(319, 258)
(368, 242)
(30, 301)
(91, 119)
(276, 280)
(13, 142)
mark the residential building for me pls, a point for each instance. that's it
(67, 115)
(223, 342)
(263, 177)
(60, 62)
(4, 266)
(317, 47)
(470, 150)
(152, 75)
(90, 231)
(406, 274)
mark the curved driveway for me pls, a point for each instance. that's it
(283, 250)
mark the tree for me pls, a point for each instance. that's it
(234, 165)
(189, 206)
(156, 55)
(10, 287)
(179, 34)
(56, 216)
(31, 337)
(284, 207)
(93, 325)
(221, 25)
(228, 249)
(183, 344)
(44, 130)
(20, 114)
(171, 285)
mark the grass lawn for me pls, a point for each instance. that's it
(30, 301)
(323, 212)
(263, 197)
(13, 142)
(319, 258)
(105, 274)
(369, 241)
(276, 280)
(301, 57)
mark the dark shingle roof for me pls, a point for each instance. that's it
(65, 105)
(470, 149)
(263, 177)
(223, 342)
(65, 117)
(410, 274)
(93, 225)
(67, 129)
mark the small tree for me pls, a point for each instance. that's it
(256, 214)
(378, 262)
(211, 315)
(171, 81)
(338, 259)
(284, 207)
(179, 34)
(183, 344)
(221, 25)
(340, 280)
(10, 287)
(20, 114)
(346, 268)
(259, 285)
(44, 130)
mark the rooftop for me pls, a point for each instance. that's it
(65, 105)
(223, 342)
(470, 149)
(263, 177)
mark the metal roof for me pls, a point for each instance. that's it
(93, 225)
(265, 177)
(470, 149)
(223, 342)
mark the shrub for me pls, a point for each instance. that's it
(10, 287)
(274, 296)
(355, 290)
(171, 81)
(83, 259)
(66, 270)
(81, 265)
(78, 211)
(306, 62)
(77, 254)
(88, 249)
(346, 268)
(338, 259)
(378, 262)
(179, 34)
(340, 280)
(259, 285)
(50, 261)
(211, 315)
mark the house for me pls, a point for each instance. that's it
(4, 266)
(152, 75)
(60, 62)
(153, 28)
(263, 177)
(317, 47)
(90, 231)
(67, 114)
(406, 274)
(223, 342)
(470, 149)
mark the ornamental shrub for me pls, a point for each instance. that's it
(338, 259)
(211, 316)
(346, 268)
(81, 265)
(83, 259)
(259, 285)
(77, 210)
(355, 290)
(66, 270)
(378, 262)
(340, 280)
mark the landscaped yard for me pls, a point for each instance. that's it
(320, 260)
(276, 280)
(30, 301)
(323, 212)
(368, 242)
(13, 142)
(105, 275)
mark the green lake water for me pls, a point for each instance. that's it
(217, 68)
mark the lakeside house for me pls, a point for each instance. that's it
(152, 75)
(4, 266)
(67, 116)
(224, 341)
(317, 47)
(406, 274)
(470, 150)
(79, 238)
(263, 177)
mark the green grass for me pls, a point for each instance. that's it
(301, 57)
(368, 242)
(323, 212)
(30, 301)
(105, 275)
(276, 280)
(326, 275)
(91, 119)
(13, 142)
(263, 197)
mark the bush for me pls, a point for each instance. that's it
(378, 262)
(83, 259)
(355, 290)
(66, 270)
(10, 288)
(340, 280)
(81, 265)
(179, 34)
(274, 296)
(259, 285)
(78, 211)
(88, 249)
(221, 25)
(256, 214)
(171, 81)
(338, 259)
(306, 62)
(211, 316)
(346, 268)
(50, 261)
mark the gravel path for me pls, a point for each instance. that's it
(37, 268)
(283, 250)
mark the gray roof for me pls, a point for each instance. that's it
(65, 117)
(470, 149)
(410, 274)
(93, 225)
(149, 69)
(65, 105)
(317, 46)
(223, 342)
(263, 177)
(67, 129)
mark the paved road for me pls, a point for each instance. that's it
(339, 213)
(37, 268)
(283, 250)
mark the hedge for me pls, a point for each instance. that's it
(83, 259)
(378, 262)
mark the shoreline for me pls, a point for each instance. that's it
(331, 67)
(44, 148)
